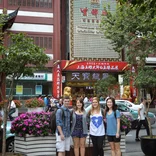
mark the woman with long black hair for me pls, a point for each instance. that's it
(113, 126)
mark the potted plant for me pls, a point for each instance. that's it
(17, 103)
(2, 103)
(34, 104)
(125, 123)
(32, 131)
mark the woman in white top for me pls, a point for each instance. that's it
(12, 109)
(97, 129)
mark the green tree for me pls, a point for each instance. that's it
(106, 86)
(20, 58)
(132, 28)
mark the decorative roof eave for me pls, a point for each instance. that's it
(10, 20)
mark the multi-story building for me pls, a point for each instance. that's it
(69, 32)
(39, 19)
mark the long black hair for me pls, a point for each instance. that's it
(114, 107)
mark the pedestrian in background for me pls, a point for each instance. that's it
(12, 109)
(142, 120)
(96, 128)
(113, 126)
(60, 103)
(63, 128)
(79, 129)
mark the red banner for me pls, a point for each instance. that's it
(57, 81)
(93, 66)
(66, 65)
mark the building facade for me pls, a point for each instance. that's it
(89, 56)
(39, 19)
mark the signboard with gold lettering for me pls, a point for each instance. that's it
(85, 76)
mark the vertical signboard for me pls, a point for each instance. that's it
(57, 81)
(86, 39)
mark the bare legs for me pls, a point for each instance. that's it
(79, 143)
(61, 154)
(115, 149)
(82, 146)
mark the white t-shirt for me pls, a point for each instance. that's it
(85, 100)
(12, 105)
(96, 125)
(142, 111)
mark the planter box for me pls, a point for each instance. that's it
(38, 109)
(35, 146)
(46, 146)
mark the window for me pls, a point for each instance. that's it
(41, 41)
(31, 3)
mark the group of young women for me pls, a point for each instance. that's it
(97, 130)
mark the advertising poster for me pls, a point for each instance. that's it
(38, 89)
(19, 89)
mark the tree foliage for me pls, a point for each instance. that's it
(106, 86)
(21, 58)
(132, 27)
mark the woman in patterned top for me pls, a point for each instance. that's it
(97, 129)
(79, 129)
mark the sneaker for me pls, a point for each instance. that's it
(137, 139)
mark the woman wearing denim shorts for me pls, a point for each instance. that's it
(79, 129)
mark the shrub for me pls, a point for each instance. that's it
(17, 103)
(34, 123)
(3, 102)
(125, 122)
(33, 103)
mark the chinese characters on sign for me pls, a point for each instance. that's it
(57, 81)
(86, 76)
(58, 72)
(101, 66)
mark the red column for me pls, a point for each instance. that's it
(57, 51)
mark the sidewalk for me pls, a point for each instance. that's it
(128, 154)
(133, 154)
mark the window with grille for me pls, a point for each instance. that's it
(31, 3)
(41, 41)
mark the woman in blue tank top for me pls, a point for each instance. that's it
(113, 126)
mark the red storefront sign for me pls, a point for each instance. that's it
(93, 66)
(99, 66)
